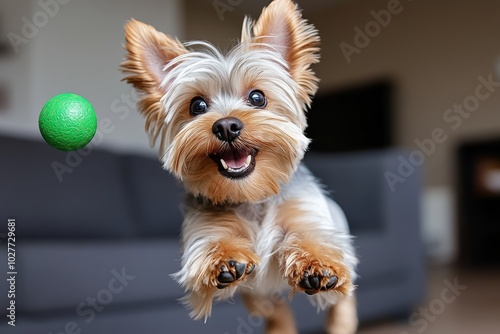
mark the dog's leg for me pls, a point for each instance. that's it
(217, 255)
(311, 258)
(342, 317)
(279, 317)
(316, 255)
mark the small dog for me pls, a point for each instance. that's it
(231, 128)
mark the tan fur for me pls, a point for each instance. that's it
(342, 317)
(142, 43)
(193, 144)
(204, 286)
(232, 243)
(237, 249)
(279, 317)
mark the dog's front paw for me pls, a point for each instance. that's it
(313, 283)
(219, 265)
(319, 274)
(232, 271)
(315, 269)
(228, 263)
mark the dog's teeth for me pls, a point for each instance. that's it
(248, 161)
(224, 164)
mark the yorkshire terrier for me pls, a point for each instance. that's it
(231, 128)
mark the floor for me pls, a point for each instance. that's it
(458, 302)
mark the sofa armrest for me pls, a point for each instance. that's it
(385, 221)
(358, 183)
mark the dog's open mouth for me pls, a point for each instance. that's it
(235, 162)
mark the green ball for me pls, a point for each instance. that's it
(67, 122)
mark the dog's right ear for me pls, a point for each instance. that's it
(148, 52)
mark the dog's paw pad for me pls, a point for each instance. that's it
(232, 271)
(332, 282)
(317, 282)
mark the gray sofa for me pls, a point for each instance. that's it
(95, 245)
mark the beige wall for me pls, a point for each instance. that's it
(79, 49)
(434, 51)
(202, 22)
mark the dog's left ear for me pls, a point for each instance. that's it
(282, 28)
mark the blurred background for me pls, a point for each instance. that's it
(421, 77)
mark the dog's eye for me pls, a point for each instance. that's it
(198, 106)
(257, 99)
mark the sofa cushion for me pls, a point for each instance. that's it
(351, 180)
(150, 319)
(84, 198)
(156, 194)
(62, 275)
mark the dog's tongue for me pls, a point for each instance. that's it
(235, 158)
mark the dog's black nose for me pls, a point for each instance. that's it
(227, 129)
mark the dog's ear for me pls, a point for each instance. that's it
(281, 27)
(148, 52)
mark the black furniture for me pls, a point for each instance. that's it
(356, 118)
(479, 203)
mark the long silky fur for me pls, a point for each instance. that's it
(278, 217)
